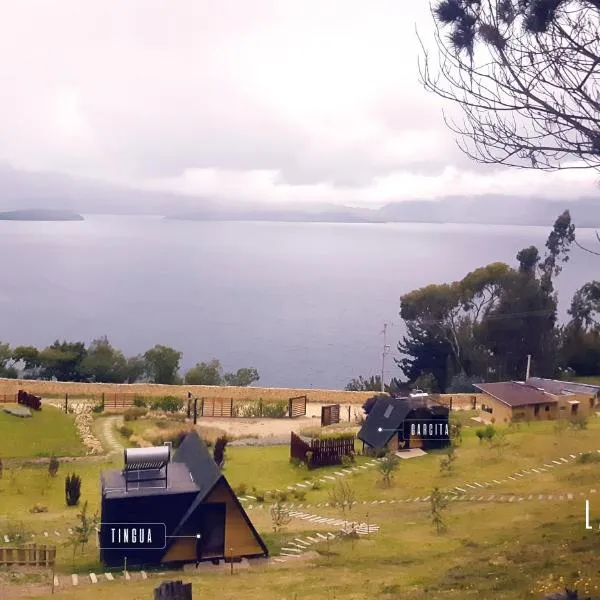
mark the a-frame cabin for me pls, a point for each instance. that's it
(203, 519)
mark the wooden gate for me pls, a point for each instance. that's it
(330, 414)
(28, 555)
(297, 407)
(216, 407)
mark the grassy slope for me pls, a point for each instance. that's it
(590, 380)
(48, 432)
(491, 550)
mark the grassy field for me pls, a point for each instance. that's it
(47, 432)
(496, 550)
(590, 380)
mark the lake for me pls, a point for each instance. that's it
(304, 303)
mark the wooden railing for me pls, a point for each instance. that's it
(320, 453)
(28, 555)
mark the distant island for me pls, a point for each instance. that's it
(41, 214)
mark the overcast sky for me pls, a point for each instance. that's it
(283, 100)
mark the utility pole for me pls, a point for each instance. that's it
(386, 348)
(528, 367)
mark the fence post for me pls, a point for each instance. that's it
(66, 403)
(196, 410)
(103, 401)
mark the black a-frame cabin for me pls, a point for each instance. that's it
(188, 498)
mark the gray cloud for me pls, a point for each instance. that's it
(323, 95)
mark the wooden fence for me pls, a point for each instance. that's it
(297, 407)
(112, 402)
(8, 398)
(216, 407)
(28, 555)
(320, 453)
(330, 414)
(251, 409)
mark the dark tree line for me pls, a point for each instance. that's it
(102, 362)
(484, 326)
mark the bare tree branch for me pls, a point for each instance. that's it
(526, 76)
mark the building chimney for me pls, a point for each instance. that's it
(528, 367)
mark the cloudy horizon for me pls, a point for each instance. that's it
(258, 100)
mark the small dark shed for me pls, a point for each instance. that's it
(404, 423)
(188, 499)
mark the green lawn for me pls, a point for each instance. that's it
(268, 468)
(592, 380)
(47, 432)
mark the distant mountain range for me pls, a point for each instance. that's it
(23, 190)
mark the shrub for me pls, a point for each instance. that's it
(347, 459)
(298, 494)
(1, 468)
(486, 433)
(178, 438)
(140, 401)
(125, 431)
(308, 460)
(72, 489)
(53, 466)
(315, 485)
(259, 495)
(219, 450)
(387, 467)
(97, 408)
(275, 410)
(134, 413)
(162, 424)
(588, 457)
(281, 496)
(171, 404)
(241, 489)
(38, 508)
(578, 422)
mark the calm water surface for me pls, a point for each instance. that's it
(302, 302)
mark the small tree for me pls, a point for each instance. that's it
(438, 503)
(342, 495)
(387, 466)
(446, 462)
(85, 527)
(72, 489)
(560, 425)
(455, 430)
(279, 516)
(53, 466)
(499, 442)
(219, 450)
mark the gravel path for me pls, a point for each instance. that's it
(111, 442)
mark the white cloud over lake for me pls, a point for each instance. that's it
(314, 100)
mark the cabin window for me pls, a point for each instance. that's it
(547, 408)
(591, 403)
(388, 411)
(536, 410)
(574, 408)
